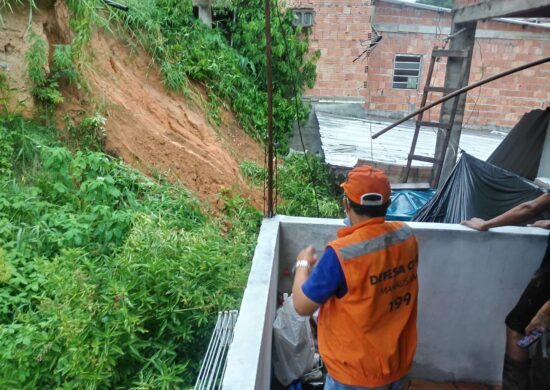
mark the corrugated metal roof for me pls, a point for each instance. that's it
(345, 140)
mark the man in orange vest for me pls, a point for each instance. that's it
(367, 287)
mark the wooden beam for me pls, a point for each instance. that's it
(454, 79)
(489, 9)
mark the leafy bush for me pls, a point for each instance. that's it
(89, 134)
(45, 81)
(106, 278)
(46, 90)
(233, 74)
(301, 192)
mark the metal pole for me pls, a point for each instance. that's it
(462, 90)
(270, 212)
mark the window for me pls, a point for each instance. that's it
(406, 71)
(303, 17)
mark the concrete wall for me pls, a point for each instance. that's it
(249, 358)
(468, 282)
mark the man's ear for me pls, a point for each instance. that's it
(345, 202)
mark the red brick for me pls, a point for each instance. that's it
(338, 35)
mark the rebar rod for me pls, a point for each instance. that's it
(226, 333)
(270, 211)
(217, 356)
(214, 364)
(234, 315)
(203, 371)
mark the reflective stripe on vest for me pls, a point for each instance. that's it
(383, 241)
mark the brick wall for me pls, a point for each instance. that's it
(500, 103)
(339, 27)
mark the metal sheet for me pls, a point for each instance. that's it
(345, 140)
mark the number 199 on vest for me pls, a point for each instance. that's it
(397, 302)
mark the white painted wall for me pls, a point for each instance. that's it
(468, 282)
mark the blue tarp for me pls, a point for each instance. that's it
(405, 203)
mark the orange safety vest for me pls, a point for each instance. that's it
(368, 337)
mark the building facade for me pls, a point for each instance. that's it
(389, 80)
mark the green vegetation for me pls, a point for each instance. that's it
(45, 88)
(233, 72)
(297, 186)
(110, 279)
(186, 49)
(45, 84)
(107, 279)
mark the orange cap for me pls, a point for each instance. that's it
(367, 186)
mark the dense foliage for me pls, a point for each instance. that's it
(304, 186)
(107, 278)
(110, 279)
(233, 73)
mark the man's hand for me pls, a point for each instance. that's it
(476, 223)
(541, 320)
(308, 254)
(303, 305)
(543, 223)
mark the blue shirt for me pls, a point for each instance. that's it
(326, 279)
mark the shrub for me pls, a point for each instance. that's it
(304, 186)
(108, 279)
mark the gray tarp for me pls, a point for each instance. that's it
(521, 150)
(476, 188)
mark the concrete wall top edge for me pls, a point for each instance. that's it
(245, 354)
(285, 219)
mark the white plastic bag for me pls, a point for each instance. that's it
(293, 346)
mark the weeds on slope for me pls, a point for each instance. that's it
(108, 279)
(233, 74)
(295, 189)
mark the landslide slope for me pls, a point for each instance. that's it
(150, 128)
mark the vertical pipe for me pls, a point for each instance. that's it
(269, 109)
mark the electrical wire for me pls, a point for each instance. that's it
(459, 149)
(482, 76)
(438, 26)
(265, 173)
(297, 109)
(276, 165)
(370, 44)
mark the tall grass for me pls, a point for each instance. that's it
(107, 278)
(300, 190)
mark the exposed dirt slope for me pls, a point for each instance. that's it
(14, 44)
(148, 127)
(155, 130)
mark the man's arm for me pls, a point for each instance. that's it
(518, 214)
(303, 305)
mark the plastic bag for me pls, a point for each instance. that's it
(293, 346)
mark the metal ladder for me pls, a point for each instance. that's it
(437, 160)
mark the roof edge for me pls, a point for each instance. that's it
(448, 10)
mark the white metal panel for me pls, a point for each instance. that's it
(345, 140)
